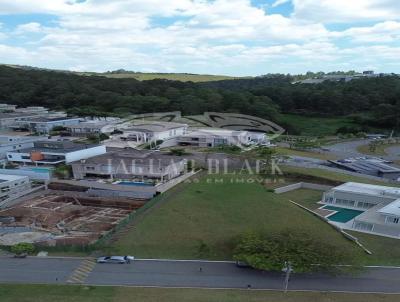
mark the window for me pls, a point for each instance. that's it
(392, 219)
(344, 202)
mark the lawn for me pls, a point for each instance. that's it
(63, 293)
(306, 197)
(204, 219)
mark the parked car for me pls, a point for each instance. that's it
(22, 255)
(115, 259)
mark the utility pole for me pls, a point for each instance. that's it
(288, 270)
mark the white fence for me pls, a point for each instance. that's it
(302, 185)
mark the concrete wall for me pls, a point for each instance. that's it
(302, 185)
(161, 188)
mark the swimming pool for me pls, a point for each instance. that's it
(134, 183)
(39, 170)
(343, 215)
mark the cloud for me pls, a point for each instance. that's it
(32, 27)
(329, 11)
(219, 36)
(388, 31)
(280, 2)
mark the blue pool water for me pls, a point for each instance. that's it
(40, 170)
(133, 183)
(342, 215)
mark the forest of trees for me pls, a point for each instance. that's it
(372, 101)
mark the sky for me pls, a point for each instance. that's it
(230, 37)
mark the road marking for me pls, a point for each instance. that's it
(80, 274)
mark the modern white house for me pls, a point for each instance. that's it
(372, 208)
(213, 137)
(43, 125)
(13, 186)
(55, 152)
(153, 131)
(15, 142)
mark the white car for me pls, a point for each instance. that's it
(115, 259)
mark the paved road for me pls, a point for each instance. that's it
(37, 270)
(188, 274)
(347, 149)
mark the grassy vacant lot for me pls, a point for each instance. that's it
(61, 293)
(203, 220)
(332, 175)
(183, 77)
(316, 126)
(305, 197)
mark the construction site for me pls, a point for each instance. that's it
(55, 218)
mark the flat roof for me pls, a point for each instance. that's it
(154, 126)
(215, 131)
(129, 155)
(366, 166)
(51, 119)
(16, 115)
(92, 125)
(72, 148)
(374, 190)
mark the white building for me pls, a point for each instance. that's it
(379, 207)
(210, 137)
(13, 186)
(55, 152)
(43, 125)
(153, 131)
(15, 143)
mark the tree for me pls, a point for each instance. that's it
(63, 171)
(23, 248)
(306, 254)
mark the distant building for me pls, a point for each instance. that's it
(12, 186)
(10, 119)
(55, 152)
(86, 128)
(43, 125)
(153, 131)
(130, 164)
(369, 167)
(379, 207)
(210, 137)
(7, 108)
